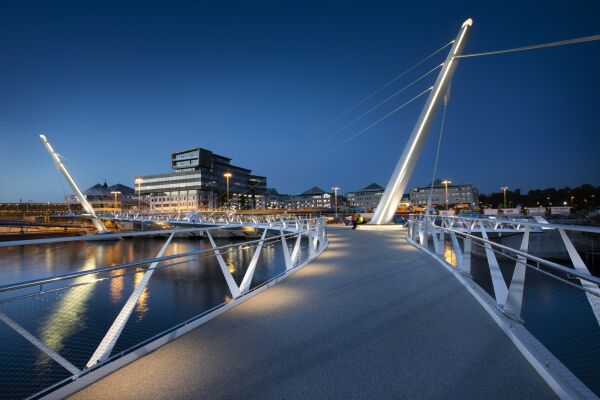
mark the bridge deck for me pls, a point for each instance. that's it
(372, 317)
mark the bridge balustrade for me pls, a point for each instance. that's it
(533, 275)
(63, 329)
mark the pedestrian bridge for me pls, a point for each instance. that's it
(372, 317)
(442, 308)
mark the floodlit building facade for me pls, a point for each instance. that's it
(463, 195)
(367, 197)
(104, 198)
(202, 180)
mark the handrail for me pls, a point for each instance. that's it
(58, 278)
(550, 264)
(108, 236)
(578, 228)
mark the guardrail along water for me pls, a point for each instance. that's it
(85, 304)
(535, 273)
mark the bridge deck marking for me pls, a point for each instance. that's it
(352, 324)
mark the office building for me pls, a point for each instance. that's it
(367, 197)
(463, 195)
(202, 180)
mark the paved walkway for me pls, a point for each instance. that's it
(371, 318)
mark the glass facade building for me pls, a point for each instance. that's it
(202, 180)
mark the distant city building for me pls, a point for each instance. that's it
(314, 197)
(367, 197)
(108, 198)
(202, 180)
(460, 195)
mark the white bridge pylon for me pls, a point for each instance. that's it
(404, 169)
(84, 203)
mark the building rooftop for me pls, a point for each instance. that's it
(104, 190)
(313, 190)
(373, 187)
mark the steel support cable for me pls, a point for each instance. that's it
(585, 39)
(384, 86)
(437, 154)
(78, 167)
(352, 122)
(375, 123)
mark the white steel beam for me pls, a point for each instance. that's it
(514, 300)
(114, 332)
(581, 267)
(500, 289)
(286, 252)
(456, 248)
(245, 285)
(39, 344)
(233, 287)
(84, 203)
(408, 160)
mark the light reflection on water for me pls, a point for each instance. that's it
(67, 320)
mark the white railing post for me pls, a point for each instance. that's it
(465, 265)
(112, 335)
(286, 252)
(581, 267)
(233, 287)
(456, 248)
(514, 300)
(500, 289)
(245, 285)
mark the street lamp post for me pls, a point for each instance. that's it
(504, 189)
(335, 190)
(227, 175)
(445, 183)
(116, 193)
(138, 181)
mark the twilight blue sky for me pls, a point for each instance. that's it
(118, 86)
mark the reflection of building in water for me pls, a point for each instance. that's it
(68, 317)
(116, 287)
(231, 265)
(141, 307)
(449, 255)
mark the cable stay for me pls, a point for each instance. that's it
(437, 154)
(384, 86)
(585, 39)
(80, 168)
(352, 122)
(375, 123)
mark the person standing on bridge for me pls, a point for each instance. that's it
(354, 221)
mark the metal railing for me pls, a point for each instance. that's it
(226, 218)
(56, 330)
(535, 276)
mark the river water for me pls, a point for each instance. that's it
(73, 321)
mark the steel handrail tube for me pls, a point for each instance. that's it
(578, 228)
(572, 271)
(118, 235)
(58, 278)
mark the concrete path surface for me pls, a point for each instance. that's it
(371, 318)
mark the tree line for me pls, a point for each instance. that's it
(584, 197)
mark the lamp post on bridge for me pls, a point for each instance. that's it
(138, 182)
(504, 189)
(335, 189)
(116, 193)
(445, 183)
(228, 175)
